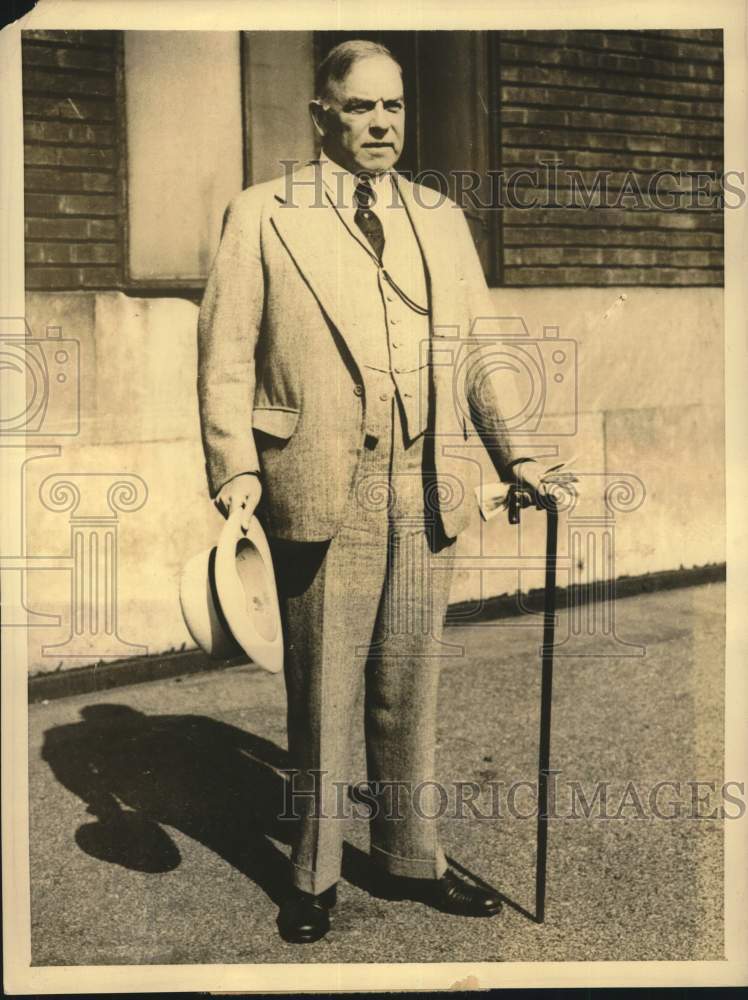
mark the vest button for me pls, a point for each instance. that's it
(383, 396)
(358, 390)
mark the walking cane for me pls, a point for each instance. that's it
(516, 500)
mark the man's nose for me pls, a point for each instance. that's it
(379, 118)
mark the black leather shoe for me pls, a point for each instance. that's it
(453, 895)
(304, 918)
(450, 894)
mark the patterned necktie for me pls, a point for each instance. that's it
(366, 220)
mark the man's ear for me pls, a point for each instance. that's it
(318, 114)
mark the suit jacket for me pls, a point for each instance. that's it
(279, 385)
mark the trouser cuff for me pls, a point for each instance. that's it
(396, 864)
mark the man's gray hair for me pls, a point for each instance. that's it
(338, 61)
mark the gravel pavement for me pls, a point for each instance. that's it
(154, 837)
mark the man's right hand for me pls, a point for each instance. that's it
(242, 492)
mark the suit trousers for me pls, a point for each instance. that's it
(365, 610)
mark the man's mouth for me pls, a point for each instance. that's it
(378, 145)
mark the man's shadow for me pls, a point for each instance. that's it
(219, 785)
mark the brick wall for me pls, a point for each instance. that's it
(617, 101)
(74, 216)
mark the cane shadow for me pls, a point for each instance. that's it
(217, 784)
(536, 917)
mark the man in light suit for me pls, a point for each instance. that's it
(339, 378)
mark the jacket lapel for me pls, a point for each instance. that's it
(310, 229)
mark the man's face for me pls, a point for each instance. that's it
(363, 126)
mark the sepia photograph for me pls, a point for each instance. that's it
(365, 590)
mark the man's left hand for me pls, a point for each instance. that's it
(529, 477)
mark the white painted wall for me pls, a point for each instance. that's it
(650, 403)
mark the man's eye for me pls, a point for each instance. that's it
(395, 106)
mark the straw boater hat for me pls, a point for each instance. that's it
(229, 598)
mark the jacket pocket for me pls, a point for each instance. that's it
(277, 421)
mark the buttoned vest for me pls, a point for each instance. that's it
(389, 330)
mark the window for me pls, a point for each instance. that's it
(184, 150)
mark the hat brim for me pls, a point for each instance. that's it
(247, 593)
(201, 608)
